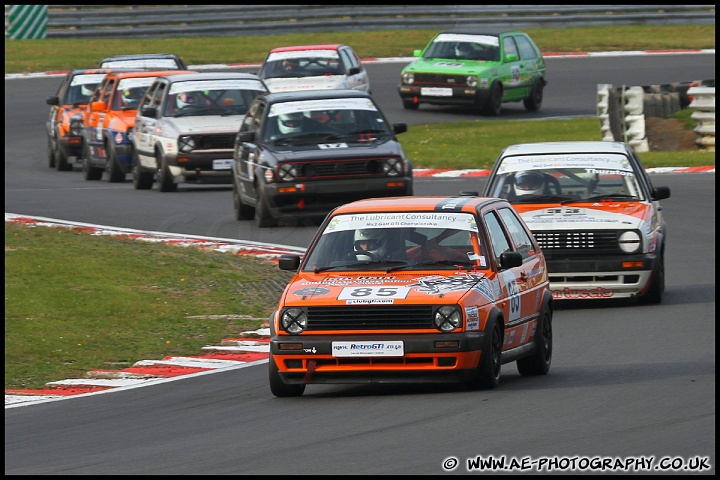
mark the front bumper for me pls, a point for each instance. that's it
(590, 278)
(423, 359)
(467, 96)
(319, 197)
(71, 145)
(205, 168)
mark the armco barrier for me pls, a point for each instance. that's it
(168, 21)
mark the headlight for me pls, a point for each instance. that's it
(287, 172)
(472, 81)
(392, 167)
(186, 144)
(630, 241)
(76, 126)
(447, 318)
(408, 78)
(294, 321)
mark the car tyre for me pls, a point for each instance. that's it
(115, 173)
(165, 180)
(280, 388)
(538, 363)
(142, 180)
(409, 104)
(487, 375)
(50, 154)
(534, 100)
(263, 218)
(242, 211)
(493, 104)
(61, 161)
(657, 284)
(90, 172)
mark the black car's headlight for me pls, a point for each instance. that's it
(630, 241)
(447, 318)
(294, 321)
(186, 144)
(392, 167)
(287, 172)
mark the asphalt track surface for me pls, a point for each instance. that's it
(627, 382)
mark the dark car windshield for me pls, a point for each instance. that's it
(426, 240)
(326, 121)
(211, 97)
(464, 47)
(583, 179)
(302, 64)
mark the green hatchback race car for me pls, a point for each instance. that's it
(475, 69)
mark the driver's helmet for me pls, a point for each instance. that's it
(463, 50)
(87, 89)
(529, 183)
(373, 241)
(290, 122)
(184, 99)
(131, 96)
(290, 64)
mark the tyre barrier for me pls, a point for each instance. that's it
(703, 101)
(622, 110)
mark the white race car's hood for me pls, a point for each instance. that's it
(207, 124)
(326, 82)
(567, 217)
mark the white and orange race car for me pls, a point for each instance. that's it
(413, 289)
(593, 211)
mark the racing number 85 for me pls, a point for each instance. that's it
(373, 292)
(380, 292)
(514, 298)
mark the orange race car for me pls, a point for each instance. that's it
(413, 289)
(595, 213)
(107, 122)
(65, 145)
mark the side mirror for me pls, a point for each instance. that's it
(289, 261)
(417, 53)
(659, 193)
(510, 260)
(98, 106)
(243, 137)
(52, 100)
(148, 112)
(511, 57)
(400, 127)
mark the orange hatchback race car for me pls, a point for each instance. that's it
(108, 120)
(413, 289)
(65, 144)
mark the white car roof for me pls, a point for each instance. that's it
(565, 147)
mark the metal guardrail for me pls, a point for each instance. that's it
(161, 21)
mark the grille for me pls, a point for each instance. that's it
(340, 168)
(370, 317)
(605, 241)
(214, 142)
(435, 79)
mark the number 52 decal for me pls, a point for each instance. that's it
(350, 293)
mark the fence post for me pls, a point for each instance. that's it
(26, 22)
